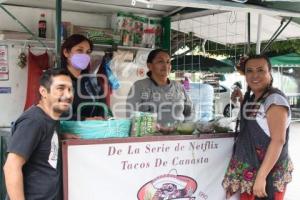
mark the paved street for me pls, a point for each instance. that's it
(293, 190)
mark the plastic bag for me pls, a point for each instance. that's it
(112, 79)
(143, 123)
(93, 129)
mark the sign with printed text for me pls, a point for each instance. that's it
(160, 170)
(3, 62)
(5, 90)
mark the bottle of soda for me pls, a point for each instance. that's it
(42, 26)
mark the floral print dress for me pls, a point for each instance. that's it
(251, 146)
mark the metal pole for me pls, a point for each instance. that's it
(280, 29)
(258, 41)
(58, 33)
(249, 32)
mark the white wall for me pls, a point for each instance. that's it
(12, 104)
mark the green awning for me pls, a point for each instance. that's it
(200, 63)
(286, 61)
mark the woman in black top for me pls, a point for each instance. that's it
(89, 97)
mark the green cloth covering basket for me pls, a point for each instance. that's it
(93, 129)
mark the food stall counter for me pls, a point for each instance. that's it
(146, 168)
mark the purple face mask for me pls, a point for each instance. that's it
(80, 60)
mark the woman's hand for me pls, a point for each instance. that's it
(70, 136)
(259, 187)
(228, 194)
(237, 95)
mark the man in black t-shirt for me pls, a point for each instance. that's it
(31, 169)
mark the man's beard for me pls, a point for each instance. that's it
(58, 108)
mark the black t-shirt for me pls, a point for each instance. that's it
(34, 137)
(89, 100)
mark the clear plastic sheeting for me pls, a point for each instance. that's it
(202, 96)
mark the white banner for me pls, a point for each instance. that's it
(154, 170)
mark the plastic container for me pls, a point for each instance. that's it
(202, 96)
(42, 26)
(186, 128)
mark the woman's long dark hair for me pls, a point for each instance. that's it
(154, 53)
(69, 43)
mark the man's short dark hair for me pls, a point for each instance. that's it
(47, 76)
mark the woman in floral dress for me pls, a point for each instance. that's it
(260, 167)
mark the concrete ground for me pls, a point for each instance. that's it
(293, 189)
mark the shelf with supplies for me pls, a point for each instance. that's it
(50, 45)
(115, 47)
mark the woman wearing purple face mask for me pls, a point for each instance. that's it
(89, 101)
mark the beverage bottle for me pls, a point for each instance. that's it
(42, 26)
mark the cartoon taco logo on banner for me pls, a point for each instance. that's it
(168, 186)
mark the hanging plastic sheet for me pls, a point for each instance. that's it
(112, 79)
(36, 65)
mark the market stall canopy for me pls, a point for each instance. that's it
(200, 63)
(220, 21)
(212, 23)
(98, 6)
(260, 6)
(286, 61)
(163, 7)
(286, 5)
(289, 5)
(231, 27)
